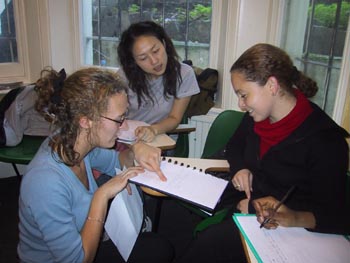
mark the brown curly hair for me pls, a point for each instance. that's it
(262, 61)
(84, 93)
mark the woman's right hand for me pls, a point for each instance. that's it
(242, 181)
(145, 133)
(117, 183)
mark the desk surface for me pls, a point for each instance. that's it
(163, 142)
(248, 252)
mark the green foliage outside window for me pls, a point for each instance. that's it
(134, 9)
(325, 14)
(201, 12)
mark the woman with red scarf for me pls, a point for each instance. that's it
(284, 141)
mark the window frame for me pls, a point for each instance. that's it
(17, 71)
(55, 40)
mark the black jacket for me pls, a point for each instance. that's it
(314, 157)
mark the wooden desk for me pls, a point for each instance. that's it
(208, 165)
(183, 128)
(163, 141)
(247, 251)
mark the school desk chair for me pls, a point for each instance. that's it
(220, 132)
(23, 153)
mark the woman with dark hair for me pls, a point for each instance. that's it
(284, 141)
(61, 208)
(160, 87)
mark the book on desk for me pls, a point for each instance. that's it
(185, 182)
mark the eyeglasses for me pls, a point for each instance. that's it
(120, 122)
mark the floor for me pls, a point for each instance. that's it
(9, 188)
(176, 223)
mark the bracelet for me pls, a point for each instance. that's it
(95, 219)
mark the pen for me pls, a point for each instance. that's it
(278, 206)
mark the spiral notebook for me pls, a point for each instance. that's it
(184, 182)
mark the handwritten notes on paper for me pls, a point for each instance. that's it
(292, 244)
(186, 183)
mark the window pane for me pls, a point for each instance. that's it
(8, 44)
(321, 25)
(188, 23)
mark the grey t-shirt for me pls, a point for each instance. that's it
(153, 113)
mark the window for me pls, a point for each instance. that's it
(8, 44)
(14, 63)
(315, 33)
(187, 22)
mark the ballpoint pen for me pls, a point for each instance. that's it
(278, 206)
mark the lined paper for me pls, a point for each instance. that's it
(292, 244)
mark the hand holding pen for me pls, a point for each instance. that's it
(272, 213)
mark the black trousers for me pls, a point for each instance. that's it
(220, 242)
(149, 247)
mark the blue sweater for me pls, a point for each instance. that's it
(53, 205)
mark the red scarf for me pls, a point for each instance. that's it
(272, 133)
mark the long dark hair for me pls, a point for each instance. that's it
(64, 101)
(262, 61)
(135, 75)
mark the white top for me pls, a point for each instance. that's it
(153, 113)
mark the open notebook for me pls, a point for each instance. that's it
(291, 244)
(186, 183)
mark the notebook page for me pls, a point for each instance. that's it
(187, 183)
(292, 244)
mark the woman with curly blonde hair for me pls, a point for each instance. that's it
(61, 208)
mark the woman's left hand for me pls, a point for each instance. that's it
(145, 133)
(117, 183)
(148, 157)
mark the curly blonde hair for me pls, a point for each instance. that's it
(84, 93)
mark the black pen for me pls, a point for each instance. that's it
(278, 206)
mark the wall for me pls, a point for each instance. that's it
(53, 39)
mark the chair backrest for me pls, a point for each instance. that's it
(221, 130)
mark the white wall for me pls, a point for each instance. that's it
(52, 36)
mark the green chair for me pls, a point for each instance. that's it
(23, 153)
(220, 132)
